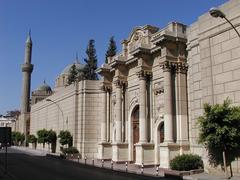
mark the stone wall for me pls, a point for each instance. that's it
(76, 109)
(214, 65)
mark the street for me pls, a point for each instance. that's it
(27, 167)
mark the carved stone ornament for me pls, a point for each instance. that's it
(144, 74)
(158, 88)
(179, 67)
(106, 88)
(159, 91)
(166, 66)
(120, 83)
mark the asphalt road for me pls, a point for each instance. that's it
(25, 167)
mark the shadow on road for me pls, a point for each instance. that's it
(26, 167)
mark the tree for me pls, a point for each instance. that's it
(51, 139)
(65, 138)
(219, 133)
(73, 76)
(42, 136)
(14, 113)
(112, 49)
(91, 62)
(17, 138)
(32, 139)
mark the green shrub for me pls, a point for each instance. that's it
(17, 138)
(32, 138)
(51, 136)
(186, 162)
(65, 138)
(42, 136)
(70, 150)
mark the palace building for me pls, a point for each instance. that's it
(145, 107)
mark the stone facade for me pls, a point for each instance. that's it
(145, 107)
(149, 76)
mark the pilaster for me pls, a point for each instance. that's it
(143, 75)
(168, 108)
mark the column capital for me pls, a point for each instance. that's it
(106, 88)
(166, 66)
(181, 67)
(119, 83)
(143, 74)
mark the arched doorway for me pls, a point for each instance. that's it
(135, 126)
(161, 133)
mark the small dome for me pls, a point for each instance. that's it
(44, 87)
(67, 69)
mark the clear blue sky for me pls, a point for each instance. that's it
(60, 28)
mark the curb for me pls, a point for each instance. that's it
(117, 171)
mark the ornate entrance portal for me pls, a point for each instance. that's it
(135, 125)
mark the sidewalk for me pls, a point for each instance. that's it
(30, 151)
(151, 171)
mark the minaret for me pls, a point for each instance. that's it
(27, 69)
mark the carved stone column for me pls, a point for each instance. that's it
(104, 116)
(181, 89)
(168, 116)
(119, 148)
(142, 108)
(143, 147)
(105, 148)
(118, 109)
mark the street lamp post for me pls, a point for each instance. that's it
(49, 100)
(216, 13)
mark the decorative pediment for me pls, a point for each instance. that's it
(140, 33)
(137, 35)
(140, 37)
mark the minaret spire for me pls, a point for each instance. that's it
(27, 69)
(29, 39)
(77, 61)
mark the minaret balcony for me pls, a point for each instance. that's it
(27, 68)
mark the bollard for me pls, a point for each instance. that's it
(112, 164)
(66, 155)
(126, 166)
(157, 170)
(85, 159)
(93, 162)
(72, 155)
(142, 168)
(102, 163)
(78, 158)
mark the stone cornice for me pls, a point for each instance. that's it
(140, 50)
(105, 68)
